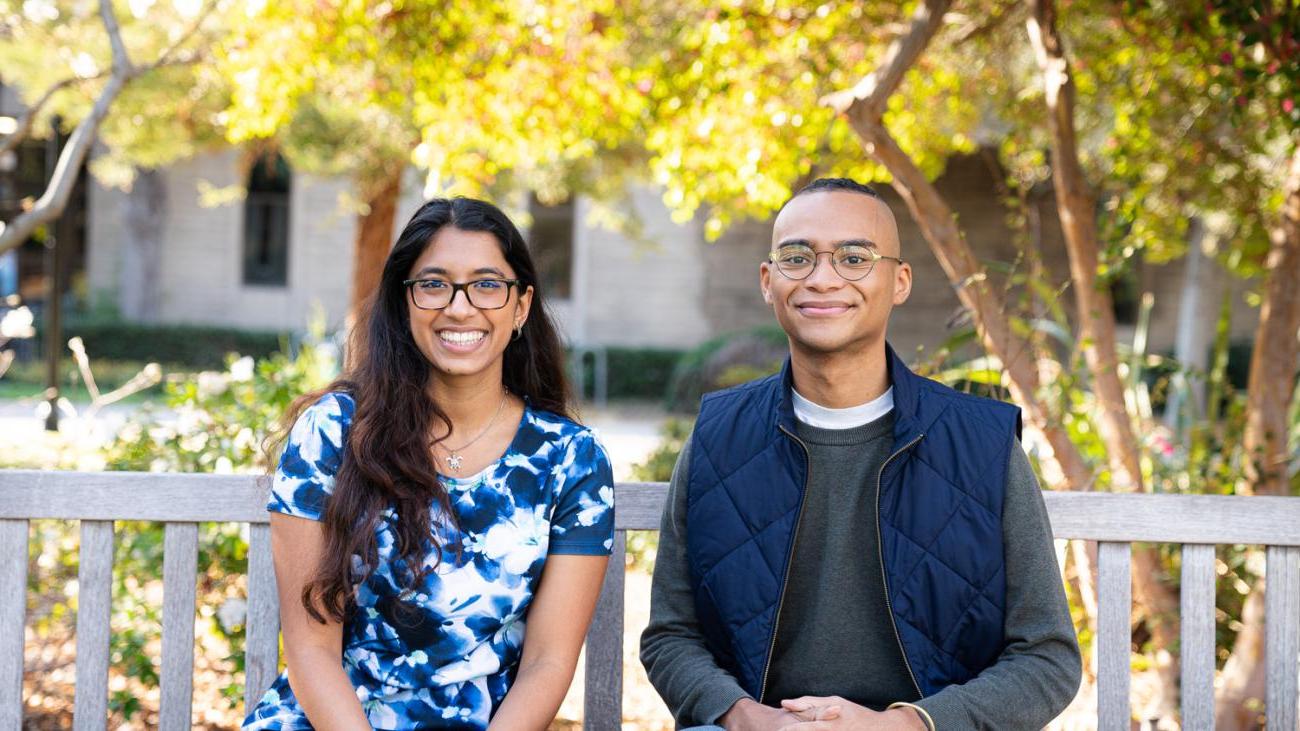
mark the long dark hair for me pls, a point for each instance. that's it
(388, 459)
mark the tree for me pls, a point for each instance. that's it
(1144, 140)
(93, 58)
(479, 95)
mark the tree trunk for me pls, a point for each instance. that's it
(145, 215)
(370, 249)
(374, 239)
(863, 105)
(1273, 364)
(1268, 399)
(1078, 213)
(1096, 312)
(939, 226)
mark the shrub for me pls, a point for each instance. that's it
(215, 422)
(725, 361)
(658, 467)
(634, 373)
(189, 346)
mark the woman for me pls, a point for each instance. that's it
(438, 499)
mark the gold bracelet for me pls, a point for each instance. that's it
(925, 717)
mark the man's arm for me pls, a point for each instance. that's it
(678, 663)
(1038, 673)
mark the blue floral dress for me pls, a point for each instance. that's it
(444, 655)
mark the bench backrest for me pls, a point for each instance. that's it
(181, 501)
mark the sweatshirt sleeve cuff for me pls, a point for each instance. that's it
(947, 713)
(716, 701)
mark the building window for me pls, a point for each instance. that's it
(1126, 297)
(266, 223)
(550, 240)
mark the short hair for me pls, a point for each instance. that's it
(833, 184)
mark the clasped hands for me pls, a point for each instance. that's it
(816, 713)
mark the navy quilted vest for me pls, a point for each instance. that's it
(940, 524)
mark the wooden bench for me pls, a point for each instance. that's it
(182, 501)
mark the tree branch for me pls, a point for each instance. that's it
(56, 195)
(863, 105)
(165, 58)
(121, 60)
(28, 120)
(1078, 213)
(866, 100)
(992, 22)
(52, 203)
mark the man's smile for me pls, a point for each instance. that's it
(823, 308)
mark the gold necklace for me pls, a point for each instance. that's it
(453, 458)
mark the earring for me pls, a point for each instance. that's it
(519, 332)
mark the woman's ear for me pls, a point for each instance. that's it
(523, 306)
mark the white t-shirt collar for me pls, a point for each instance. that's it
(854, 416)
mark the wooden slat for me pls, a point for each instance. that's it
(94, 608)
(1114, 635)
(13, 620)
(180, 576)
(1174, 518)
(132, 496)
(262, 631)
(174, 497)
(639, 505)
(603, 692)
(1282, 635)
(1120, 517)
(26, 494)
(1197, 646)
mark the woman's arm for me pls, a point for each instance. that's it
(312, 651)
(556, 625)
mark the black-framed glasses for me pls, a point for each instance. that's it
(437, 294)
(850, 261)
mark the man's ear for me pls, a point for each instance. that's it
(765, 281)
(903, 283)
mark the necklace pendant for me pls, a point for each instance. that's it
(453, 461)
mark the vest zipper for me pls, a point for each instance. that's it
(789, 561)
(880, 545)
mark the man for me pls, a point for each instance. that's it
(847, 545)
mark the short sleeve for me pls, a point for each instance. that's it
(583, 520)
(311, 459)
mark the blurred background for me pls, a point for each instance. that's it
(1100, 200)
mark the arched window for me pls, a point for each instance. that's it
(266, 223)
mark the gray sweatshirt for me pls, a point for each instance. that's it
(836, 600)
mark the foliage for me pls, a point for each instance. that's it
(109, 374)
(725, 361)
(474, 93)
(187, 346)
(214, 422)
(633, 373)
(169, 113)
(659, 464)
(658, 467)
(220, 420)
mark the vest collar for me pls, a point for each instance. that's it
(906, 386)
